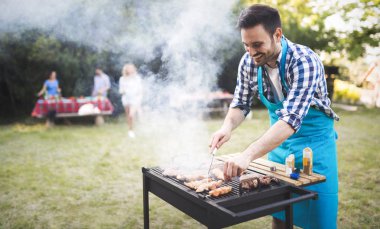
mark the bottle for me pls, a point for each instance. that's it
(307, 161)
(289, 164)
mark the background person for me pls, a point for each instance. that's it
(50, 89)
(290, 81)
(101, 83)
(51, 86)
(130, 88)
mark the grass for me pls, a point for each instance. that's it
(82, 176)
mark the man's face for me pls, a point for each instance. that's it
(260, 45)
(98, 72)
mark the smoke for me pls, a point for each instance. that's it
(193, 36)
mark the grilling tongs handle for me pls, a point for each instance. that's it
(214, 151)
(212, 159)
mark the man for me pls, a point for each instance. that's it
(289, 80)
(101, 83)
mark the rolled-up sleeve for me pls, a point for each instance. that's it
(306, 73)
(243, 94)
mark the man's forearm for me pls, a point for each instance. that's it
(271, 139)
(233, 119)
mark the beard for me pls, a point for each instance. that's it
(260, 58)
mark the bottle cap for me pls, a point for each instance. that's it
(294, 176)
(307, 150)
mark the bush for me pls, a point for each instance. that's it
(346, 92)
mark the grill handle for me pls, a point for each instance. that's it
(282, 203)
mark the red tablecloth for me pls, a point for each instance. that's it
(70, 105)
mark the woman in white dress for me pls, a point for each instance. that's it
(130, 88)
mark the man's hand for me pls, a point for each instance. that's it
(233, 119)
(236, 166)
(276, 135)
(219, 138)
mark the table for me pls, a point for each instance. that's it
(219, 102)
(209, 102)
(263, 165)
(69, 107)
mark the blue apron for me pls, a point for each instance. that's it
(317, 132)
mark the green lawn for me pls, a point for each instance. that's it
(82, 176)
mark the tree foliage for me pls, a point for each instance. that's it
(26, 59)
(367, 34)
(304, 22)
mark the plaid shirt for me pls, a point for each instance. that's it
(305, 78)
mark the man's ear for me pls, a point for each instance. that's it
(277, 34)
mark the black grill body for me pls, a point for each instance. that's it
(227, 210)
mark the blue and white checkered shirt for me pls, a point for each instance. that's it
(305, 78)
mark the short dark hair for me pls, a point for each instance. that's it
(260, 14)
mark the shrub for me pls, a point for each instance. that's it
(346, 92)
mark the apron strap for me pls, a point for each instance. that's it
(284, 45)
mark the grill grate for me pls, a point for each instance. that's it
(234, 183)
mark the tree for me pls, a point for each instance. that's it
(365, 16)
(304, 22)
(26, 60)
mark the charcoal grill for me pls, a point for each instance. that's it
(227, 210)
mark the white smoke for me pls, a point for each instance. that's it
(193, 36)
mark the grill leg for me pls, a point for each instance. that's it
(146, 203)
(289, 217)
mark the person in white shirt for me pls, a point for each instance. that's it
(101, 83)
(130, 88)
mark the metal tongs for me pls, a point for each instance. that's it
(212, 160)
